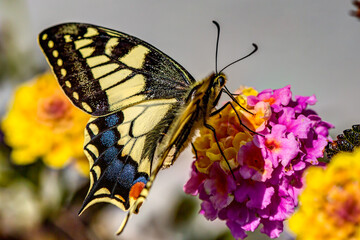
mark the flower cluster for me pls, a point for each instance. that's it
(267, 166)
(42, 123)
(330, 203)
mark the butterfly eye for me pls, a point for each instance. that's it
(221, 81)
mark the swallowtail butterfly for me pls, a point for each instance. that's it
(144, 107)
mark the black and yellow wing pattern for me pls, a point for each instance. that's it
(144, 107)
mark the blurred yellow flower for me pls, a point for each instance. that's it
(330, 204)
(42, 123)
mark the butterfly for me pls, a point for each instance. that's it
(144, 107)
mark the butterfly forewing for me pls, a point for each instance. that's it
(102, 70)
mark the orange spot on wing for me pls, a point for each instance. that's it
(136, 190)
(120, 197)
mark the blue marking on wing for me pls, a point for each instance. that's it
(112, 171)
(127, 175)
(140, 179)
(110, 154)
(108, 138)
(111, 120)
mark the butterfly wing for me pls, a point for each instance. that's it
(102, 70)
(121, 147)
(128, 148)
(134, 93)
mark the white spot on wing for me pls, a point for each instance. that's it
(102, 191)
(82, 43)
(149, 118)
(67, 38)
(86, 52)
(55, 53)
(93, 149)
(86, 107)
(114, 78)
(136, 57)
(137, 149)
(112, 42)
(126, 89)
(76, 95)
(96, 60)
(126, 102)
(68, 84)
(94, 128)
(50, 44)
(97, 171)
(91, 32)
(105, 69)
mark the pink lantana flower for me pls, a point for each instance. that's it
(252, 163)
(278, 146)
(265, 179)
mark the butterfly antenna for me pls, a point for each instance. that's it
(253, 51)
(217, 45)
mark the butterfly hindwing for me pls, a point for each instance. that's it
(121, 155)
(102, 70)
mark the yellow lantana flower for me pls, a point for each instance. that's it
(330, 204)
(230, 134)
(42, 123)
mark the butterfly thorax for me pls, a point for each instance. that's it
(200, 102)
(205, 92)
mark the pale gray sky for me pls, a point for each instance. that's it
(312, 45)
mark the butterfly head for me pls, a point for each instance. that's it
(219, 81)
(207, 90)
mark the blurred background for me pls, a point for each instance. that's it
(311, 45)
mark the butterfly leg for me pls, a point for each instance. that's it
(231, 95)
(217, 111)
(195, 151)
(233, 98)
(218, 97)
(221, 151)
(237, 115)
